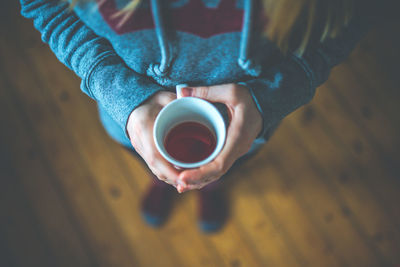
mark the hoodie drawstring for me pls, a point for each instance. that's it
(162, 68)
(243, 60)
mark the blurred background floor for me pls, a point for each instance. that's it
(323, 192)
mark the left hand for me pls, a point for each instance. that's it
(245, 125)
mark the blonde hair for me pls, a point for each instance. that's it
(295, 24)
(292, 24)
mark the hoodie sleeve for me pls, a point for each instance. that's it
(105, 76)
(292, 83)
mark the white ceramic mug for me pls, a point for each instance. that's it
(189, 109)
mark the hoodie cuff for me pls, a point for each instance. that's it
(118, 89)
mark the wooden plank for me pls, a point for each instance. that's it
(19, 229)
(377, 56)
(317, 197)
(364, 105)
(359, 192)
(229, 244)
(181, 226)
(361, 146)
(265, 193)
(5, 254)
(271, 241)
(234, 250)
(45, 123)
(372, 67)
(286, 206)
(35, 182)
(364, 158)
(124, 203)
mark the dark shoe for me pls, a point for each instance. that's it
(213, 210)
(157, 203)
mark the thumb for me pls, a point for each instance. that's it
(217, 93)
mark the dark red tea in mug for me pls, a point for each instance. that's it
(190, 142)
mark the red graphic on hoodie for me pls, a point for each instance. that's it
(194, 18)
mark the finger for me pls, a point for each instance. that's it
(166, 97)
(215, 93)
(221, 164)
(201, 174)
(157, 164)
(182, 189)
(168, 172)
(191, 184)
(200, 185)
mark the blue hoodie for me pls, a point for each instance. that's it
(197, 42)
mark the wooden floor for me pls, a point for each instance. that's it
(325, 191)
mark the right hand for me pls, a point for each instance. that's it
(245, 125)
(140, 130)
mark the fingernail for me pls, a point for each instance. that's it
(180, 189)
(181, 183)
(187, 91)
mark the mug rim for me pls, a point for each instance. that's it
(212, 156)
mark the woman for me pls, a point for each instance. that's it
(262, 60)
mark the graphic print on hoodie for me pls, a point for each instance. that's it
(199, 17)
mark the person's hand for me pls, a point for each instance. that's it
(140, 130)
(245, 125)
